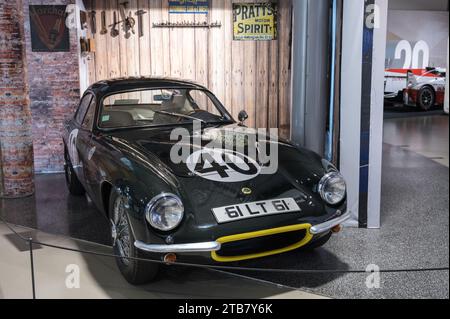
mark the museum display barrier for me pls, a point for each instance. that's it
(84, 254)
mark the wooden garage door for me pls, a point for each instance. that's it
(250, 75)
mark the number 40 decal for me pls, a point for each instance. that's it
(223, 166)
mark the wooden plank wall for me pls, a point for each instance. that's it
(250, 75)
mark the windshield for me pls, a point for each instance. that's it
(160, 107)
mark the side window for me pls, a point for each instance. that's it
(89, 118)
(83, 108)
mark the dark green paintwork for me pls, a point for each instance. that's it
(137, 162)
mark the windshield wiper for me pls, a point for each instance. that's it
(181, 115)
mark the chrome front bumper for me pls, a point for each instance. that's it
(327, 226)
(182, 248)
(215, 246)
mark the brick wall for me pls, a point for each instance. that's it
(16, 146)
(54, 93)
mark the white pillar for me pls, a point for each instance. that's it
(362, 97)
(377, 111)
(351, 70)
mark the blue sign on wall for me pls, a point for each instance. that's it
(189, 6)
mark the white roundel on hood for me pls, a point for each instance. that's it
(223, 166)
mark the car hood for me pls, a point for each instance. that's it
(297, 175)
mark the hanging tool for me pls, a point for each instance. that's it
(186, 24)
(127, 20)
(93, 22)
(114, 31)
(103, 30)
(139, 14)
(130, 23)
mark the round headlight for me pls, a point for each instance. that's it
(164, 212)
(332, 188)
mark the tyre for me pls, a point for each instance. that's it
(319, 242)
(73, 183)
(136, 272)
(426, 98)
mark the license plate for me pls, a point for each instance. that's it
(257, 209)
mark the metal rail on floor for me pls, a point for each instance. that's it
(33, 283)
(31, 241)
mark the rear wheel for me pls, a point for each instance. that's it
(136, 272)
(426, 98)
(73, 183)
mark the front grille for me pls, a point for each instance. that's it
(260, 245)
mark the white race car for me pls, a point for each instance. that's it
(421, 88)
(425, 91)
(397, 80)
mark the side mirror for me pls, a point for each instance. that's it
(242, 117)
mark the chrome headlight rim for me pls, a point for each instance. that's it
(154, 201)
(324, 182)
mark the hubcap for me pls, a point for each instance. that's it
(120, 230)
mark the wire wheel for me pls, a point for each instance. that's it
(121, 230)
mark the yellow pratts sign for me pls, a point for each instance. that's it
(255, 21)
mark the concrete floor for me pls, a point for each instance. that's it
(415, 232)
(425, 135)
(415, 224)
(399, 110)
(100, 278)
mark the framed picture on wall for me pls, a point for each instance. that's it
(48, 28)
(255, 21)
(189, 6)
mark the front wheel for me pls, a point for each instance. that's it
(426, 98)
(136, 272)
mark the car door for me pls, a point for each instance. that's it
(74, 129)
(85, 145)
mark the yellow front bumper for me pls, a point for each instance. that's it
(263, 233)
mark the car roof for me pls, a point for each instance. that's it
(133, 83)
